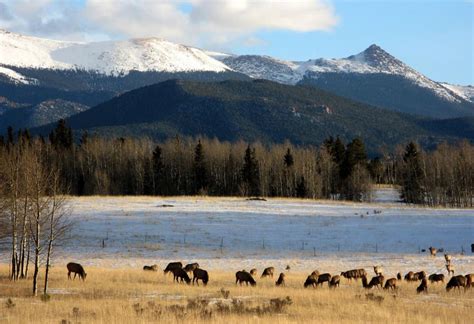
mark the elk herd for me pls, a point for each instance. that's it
(182, 275)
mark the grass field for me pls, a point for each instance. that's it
(135, 296)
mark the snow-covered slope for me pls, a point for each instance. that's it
(15, 77)
(111, 58)
(466, 92)
(372, 60)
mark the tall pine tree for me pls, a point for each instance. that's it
(251, 172)
(412, 190)
(201, 180)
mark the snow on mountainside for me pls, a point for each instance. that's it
(111, 58)
(466, 92)
(15, 77)
(373, 60)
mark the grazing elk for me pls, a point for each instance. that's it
(172, 266)
(378, 270)
(436, 277)
(335, 281)
(200, 274)
(322, 278)
(420, 275)
(281, 280)
(391, 284)
(456, 282)
(450, 269)
(469, 280)
(253, 272)
(153, 267)
(268, 272)
(423, 287)
(433, 251)
(180, 275)
(77, 269)
(354, 274)
(377, 281)
(410, 276)
(448, 258)
(244, 276)
(399, 276)
(311, 280)
(190, 267)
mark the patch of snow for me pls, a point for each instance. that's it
(16, 77)
(466, 92)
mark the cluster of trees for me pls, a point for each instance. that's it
(186, 166)
(33, 211)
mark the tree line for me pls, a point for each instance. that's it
(188, 166)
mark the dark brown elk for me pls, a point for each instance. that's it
(378, 270)
(423, 287)
(436, 277)
(376, 281)
(469, 280)
(399, 276)
(311, 280)
(77, 269)
(410, 276)
(433, 251)
(244, 276)
(354, 274)
(391, 284)
(268, 272)
(322, 278)
(180, 275)
(150, 268)
(172, 266)
(190, 267)
(200, 274)
(450, 269)
(253, 272)
(335, 281)
(281, 280)
(456, 282)
(420, 275)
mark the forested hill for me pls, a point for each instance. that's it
(255, 111)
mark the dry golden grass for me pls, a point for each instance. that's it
(135, 296)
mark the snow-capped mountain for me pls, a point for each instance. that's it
(33, 70)
(110, 58)
(372, 60)
(372, 76)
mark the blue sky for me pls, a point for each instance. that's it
(433, 36)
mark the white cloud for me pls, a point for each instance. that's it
(196, 22)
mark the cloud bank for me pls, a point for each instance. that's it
(196, 22)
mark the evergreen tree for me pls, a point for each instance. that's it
(288, 159)
(355, 154)
(251, 172)
(199, 169)
(158, 168)
(61, 136)
(301, 190)
(412, 190)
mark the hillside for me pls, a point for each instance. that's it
(258, 110)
